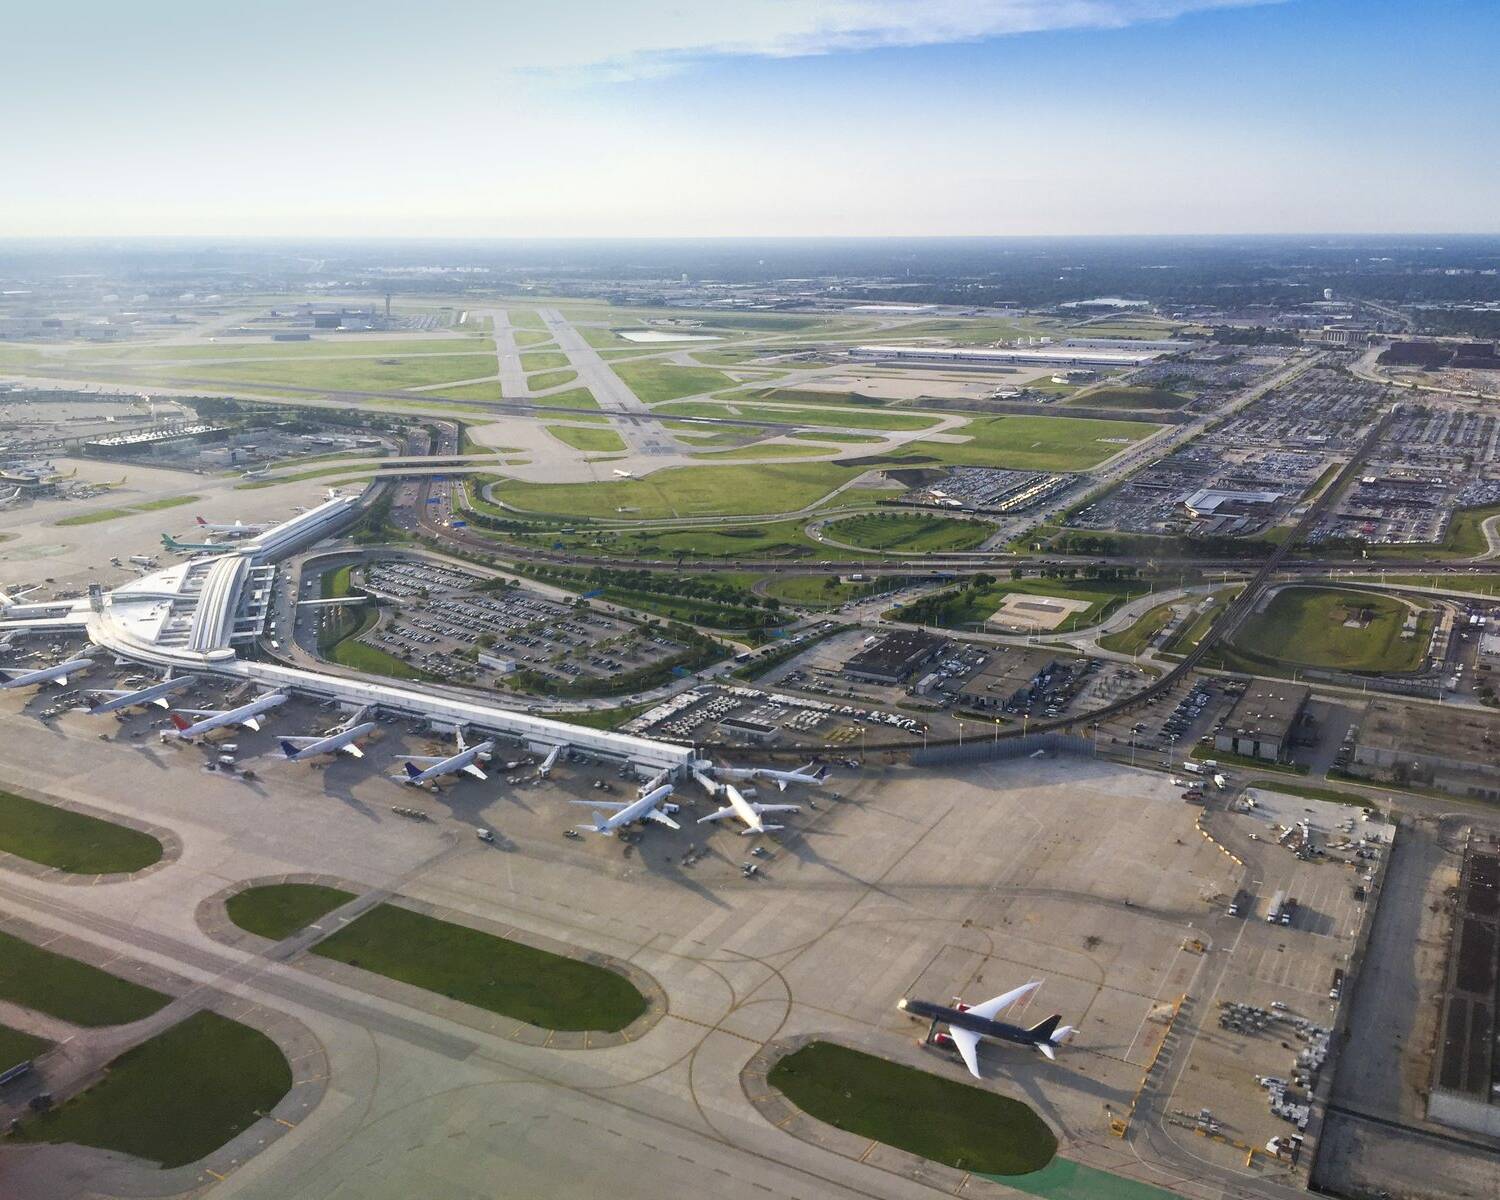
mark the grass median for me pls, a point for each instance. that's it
(70, 841)
(68, 989)
(278, 910)
(489, 972)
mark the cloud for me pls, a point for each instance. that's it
(632, 40)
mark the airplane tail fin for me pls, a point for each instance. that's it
(1044, 1030)
(411, 771)
(179, 721)
(200, 520)
(820, 774)
(288, 749)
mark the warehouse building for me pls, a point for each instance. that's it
(1263, 723)
(1035, 356)
(894, 657)
(1466, 1069)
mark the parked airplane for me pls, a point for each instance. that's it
(648, 808)
(58, 673)
(300, 749)
(966, 1025)
(14, 497)
(247, 715)
(748, 812)
(168, 542)
(466, 761)
(108, 700)
(807, 775)
(238, 530)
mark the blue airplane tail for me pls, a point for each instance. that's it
(411, 771)
(1044, 1030)
(288, 749)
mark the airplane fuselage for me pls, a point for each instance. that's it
(957, 1018)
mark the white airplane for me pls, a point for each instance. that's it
(54, 674)
(648, 808)
(247, 715)
(623, 474)
(544, 768)
(967, 1025)
(465, 761)
(300, 749)
(807, 775)
(748, 812)
(108, 700)
(13, 498)
(238, 530)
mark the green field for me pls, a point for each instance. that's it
(952, 1123)
(1158, 399)
(832, 435)
(348, 374)
(600, 441)
(492, 973)
(966, 607)
(684, 492)
(525, 318)
(544, 360)
(834, 418)
(654, 381)
(531, 337)
(1135, 639)
(17, 1047)
(575, 398)
(114, 514)
(278, 910)
(776, 539)
(70, 841)
(68, 989)
(1036, 443)
(909, 533)
(317, 348)
(549, 379)
(175, 1098)
(1474, 585)
(1305, 626)
(764, 450)
(489, 389)
(818, 591)
(1195, 630)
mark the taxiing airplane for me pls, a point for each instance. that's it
(649, 807)
(300, 749)
(108, 700)
(967, 1025)
(465, 761)
(246, 715)
(748, 812)
(58, 674)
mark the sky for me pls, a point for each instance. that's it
(638, 118)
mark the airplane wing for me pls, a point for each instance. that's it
(425, 760)
(351, 748)
(657, 815)
(473, 769)
(727, 811)
(770, 808)
(202, 712)
(1000, 1003)
(968, 1046)
(614, 804)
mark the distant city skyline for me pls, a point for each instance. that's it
(769, 118)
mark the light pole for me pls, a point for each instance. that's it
(960, 735)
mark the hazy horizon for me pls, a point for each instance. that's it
(876, 119)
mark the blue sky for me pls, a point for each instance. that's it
(765, 117)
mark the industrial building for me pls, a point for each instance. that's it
(1466, 1069)
(1263, 722)
(1036, 356)
(894, 657)
(1448, 748)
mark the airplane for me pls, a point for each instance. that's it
(13, 498)
(155, 693)
(58, 673)
(247, 715)
(544, 768)
(238, 530)
(748, 812)
(966, 1025)
(813, 778)
(300, 749)
(623, 474)
(466, 761)
(648, 808)
(168, 542)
